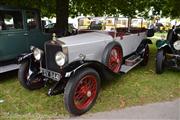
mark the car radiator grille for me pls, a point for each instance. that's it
(50, 52)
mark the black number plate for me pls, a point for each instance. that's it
(50, 74)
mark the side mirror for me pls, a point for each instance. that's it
(150, 33)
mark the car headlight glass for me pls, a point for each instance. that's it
(177, 45)
(60, 58)
(37, 53)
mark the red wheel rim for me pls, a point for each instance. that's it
(85, 92)
(115, 59)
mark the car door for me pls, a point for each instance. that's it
(35, 35)
(13, 39)
(131, 40)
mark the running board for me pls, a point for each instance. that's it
(10, 67)
(126, 68)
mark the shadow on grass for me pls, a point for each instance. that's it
(8, 76)
(113, 79)
(11, 78)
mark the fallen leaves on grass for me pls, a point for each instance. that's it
(122, 103)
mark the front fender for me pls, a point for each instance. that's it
(25, 57)
(161, 44)
(104, 71)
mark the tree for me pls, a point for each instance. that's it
(171, 8)
(62, 14)
(58, 8)
(64, 8)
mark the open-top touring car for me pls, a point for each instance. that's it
(168, 53)
(77, 64)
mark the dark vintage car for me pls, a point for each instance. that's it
(19, 29)
(168, 53)
(76, 65)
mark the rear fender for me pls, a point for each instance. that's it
(143, 45)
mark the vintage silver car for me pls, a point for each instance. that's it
(77, 64)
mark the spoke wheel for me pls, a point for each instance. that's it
(81, 91)
(115, 59)
(30, 79)
(85, 92)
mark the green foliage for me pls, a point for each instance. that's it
(103, 7)
(106, 7)
(46, 7)
(171, 8)
(130, 8)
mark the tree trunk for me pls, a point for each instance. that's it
(62, 14)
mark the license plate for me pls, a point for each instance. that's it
(50, 74)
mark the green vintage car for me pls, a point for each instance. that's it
(168, 53)
(19, 29)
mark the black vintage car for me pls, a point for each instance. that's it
(168, 54)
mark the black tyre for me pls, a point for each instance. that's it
(31, 82)
(113, 57)
(160, 61)
(145, 56)
(81, 91)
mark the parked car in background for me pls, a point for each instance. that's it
(96, 23)
(50, 28)
(84, 23)
(110, 23)
(168, 53)
(19, 29)
(45, 22)
(163, 27)
(139, 22)
(78, 64)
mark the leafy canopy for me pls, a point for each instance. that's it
(103, 7)
(64, 8)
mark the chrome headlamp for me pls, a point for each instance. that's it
(37, 53)
(177, 45)
(60, 58)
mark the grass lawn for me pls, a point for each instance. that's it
(138, 87)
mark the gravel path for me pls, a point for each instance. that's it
(164, 111)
